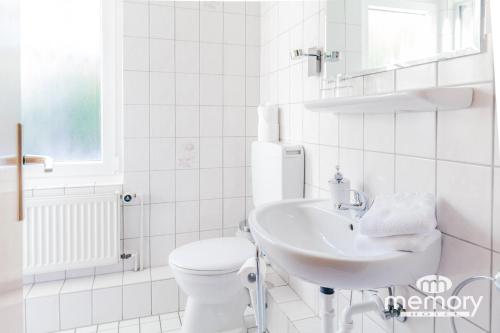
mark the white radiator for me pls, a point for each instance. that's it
(71, 232)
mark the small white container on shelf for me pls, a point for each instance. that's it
(340, 188)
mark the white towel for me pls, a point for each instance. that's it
(408, 243)
(400, 214)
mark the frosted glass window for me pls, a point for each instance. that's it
(392, 37)
(61, 78)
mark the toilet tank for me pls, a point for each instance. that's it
(277, 172)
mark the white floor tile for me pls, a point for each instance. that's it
(283, 294)
(296, 310)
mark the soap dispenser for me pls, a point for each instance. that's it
(340, 188)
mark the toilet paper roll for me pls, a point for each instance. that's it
(268, 132)
(248, 273)
(268, 113)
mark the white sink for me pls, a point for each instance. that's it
(311, 240)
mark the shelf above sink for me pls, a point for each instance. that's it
(418, 100)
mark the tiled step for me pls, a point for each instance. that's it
(60, 305)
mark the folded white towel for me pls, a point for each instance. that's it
(408, 243)
(399, 214)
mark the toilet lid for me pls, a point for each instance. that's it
(213, 256)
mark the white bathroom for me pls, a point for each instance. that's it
(228, 166)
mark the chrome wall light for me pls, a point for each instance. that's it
(316, 57)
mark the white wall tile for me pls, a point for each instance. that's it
(187, 185)
(234, 90)
(162, 156)
(187, 24)
(496, 210)
(211, 117)
(211, 214)
(162, 88)
(233, 60)
(235, 35)
(136, 121)
(187, 121)
(234, 182)
(162, 188)
(161, 246)
(416, 134)
(211, 27)
(187, 216)
(187, 57)
(107, 305)
(187, 89)
(495, 307)
(164, 296)
(136, 87)
(465, 213)
(136, 154)
(136, 300)
(210, 183)
(351, 131)
(162, 121)
(187, 153)
(379, 132)
(210, 152)
(473, 145)
(415, 77)
(234, 121)
(76, 309)
(379, 174)
(415, 174)
(211, 90)
(234, 152)
(211, 59)
(460, 260)
(42, 314)
(162, 219)
(135, 18)
(234, 211)
(135, 54)
(162, 23)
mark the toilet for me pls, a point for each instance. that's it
(206, 270)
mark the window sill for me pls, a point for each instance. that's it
(77, 185)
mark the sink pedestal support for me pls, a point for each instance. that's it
(327, 310)
(260, 312)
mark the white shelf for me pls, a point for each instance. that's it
(419, 100)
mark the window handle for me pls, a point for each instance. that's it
(47, 161)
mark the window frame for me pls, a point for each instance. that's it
(108, 169)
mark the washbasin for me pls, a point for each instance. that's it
(315, 242)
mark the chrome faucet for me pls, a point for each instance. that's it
(360, 204)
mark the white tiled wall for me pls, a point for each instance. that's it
(191, 88)
(450, 154)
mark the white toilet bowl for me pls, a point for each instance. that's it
(207, 272)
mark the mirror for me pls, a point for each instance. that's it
(377, 35)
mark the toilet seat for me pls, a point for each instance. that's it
(216, 256)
